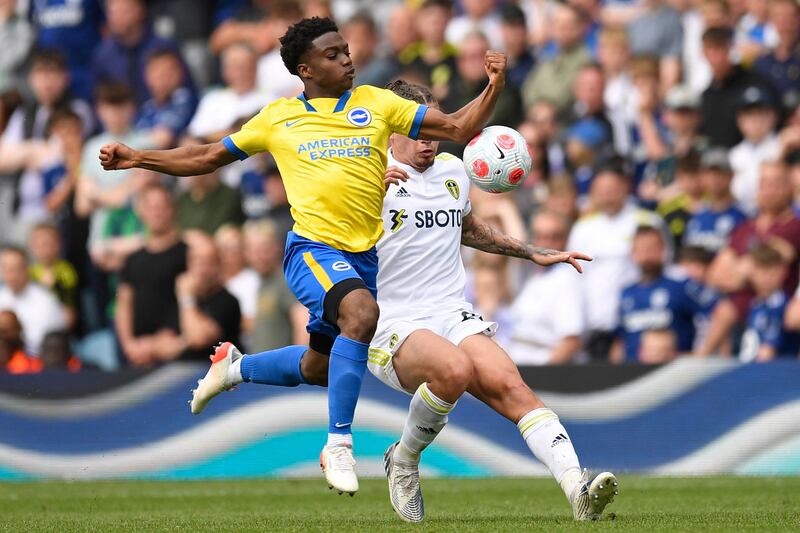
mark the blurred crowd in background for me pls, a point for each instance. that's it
(666, 142)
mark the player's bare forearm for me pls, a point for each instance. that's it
(463, 124)
(186, 160)
(477, 234)
(183, 161)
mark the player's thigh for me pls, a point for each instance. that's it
(425, 356)
(496, 379)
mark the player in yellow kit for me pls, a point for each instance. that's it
(330, 145)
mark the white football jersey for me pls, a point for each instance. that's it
(420, 271)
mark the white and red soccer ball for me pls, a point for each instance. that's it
(497, 159)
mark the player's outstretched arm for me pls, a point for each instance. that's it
(463, 124)
(183, 161)
(477, 234)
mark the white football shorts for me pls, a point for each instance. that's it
(455, 326)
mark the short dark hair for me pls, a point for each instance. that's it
(61, 114)
(158, 53)
(695, 254)
(512, 15)
(113, 93)
(444, 4)
(646, 229)
(689, 162)
(298, 38)
(718, 36)
(411, 91)
(49, 58)
(363, 18)
(766, 256)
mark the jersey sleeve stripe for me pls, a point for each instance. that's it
(235, 150)
(417, 124)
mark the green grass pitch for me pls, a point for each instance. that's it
(645, 504)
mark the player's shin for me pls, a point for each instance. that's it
(275, 367)
(550, 443)
(348, 361)
(427, 416)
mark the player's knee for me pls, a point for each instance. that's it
(456, 372)
(358, 317)
(315, 370)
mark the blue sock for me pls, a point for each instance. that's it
(345, 372)
(275, 367)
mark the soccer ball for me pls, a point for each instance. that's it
(497, 159)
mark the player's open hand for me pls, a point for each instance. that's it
(495, 64)
(393, 176)
(547, 257)
(116, 156)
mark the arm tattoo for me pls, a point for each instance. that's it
(477, 234)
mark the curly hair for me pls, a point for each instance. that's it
(411, 91)
(298, 38)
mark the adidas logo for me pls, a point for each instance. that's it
(402, 193)
(429, 431)
(560, 439)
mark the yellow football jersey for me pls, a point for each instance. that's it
(332, 156)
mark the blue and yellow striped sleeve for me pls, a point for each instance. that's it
(252, 139)
(403, 116)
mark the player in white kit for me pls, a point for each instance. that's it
(431, 345)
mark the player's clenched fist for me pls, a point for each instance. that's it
(495, 64)
(116, 156)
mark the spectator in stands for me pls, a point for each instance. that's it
(548, 311)
(208, 204)
(757, 118)
(57, 354)
(658, 32)
(582, 144)
(775, 225)
(280, 320)
(612, 56)
(765, 337)
(470, 80)
(432, 56)
(588, 103)
(273, 77)
(552, 78)
(168, 111)
(693, 265)
(606, 234)
(544, 118)
(682, 198)
(38, 310)
(728, 83)
(47, 171)
(147, 318)
(696, 20)
(754, 34)
(13, 359)
(401, 30)
(239, 279)
(515, 43)
(362, 34)
(781, 66)
(279, 212)
(106, 197)
(655, 301)
(719, 214)
(221, 108)
(122, 55)
(682, 119)
(208, 314)
(480, 16)
(16, 39)
(248, 23)
(658, 346)
(491, 293)
(51, 271)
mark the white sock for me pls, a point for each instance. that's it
(340, 439)
(427, 416)
(550, 443)
(235, 372)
